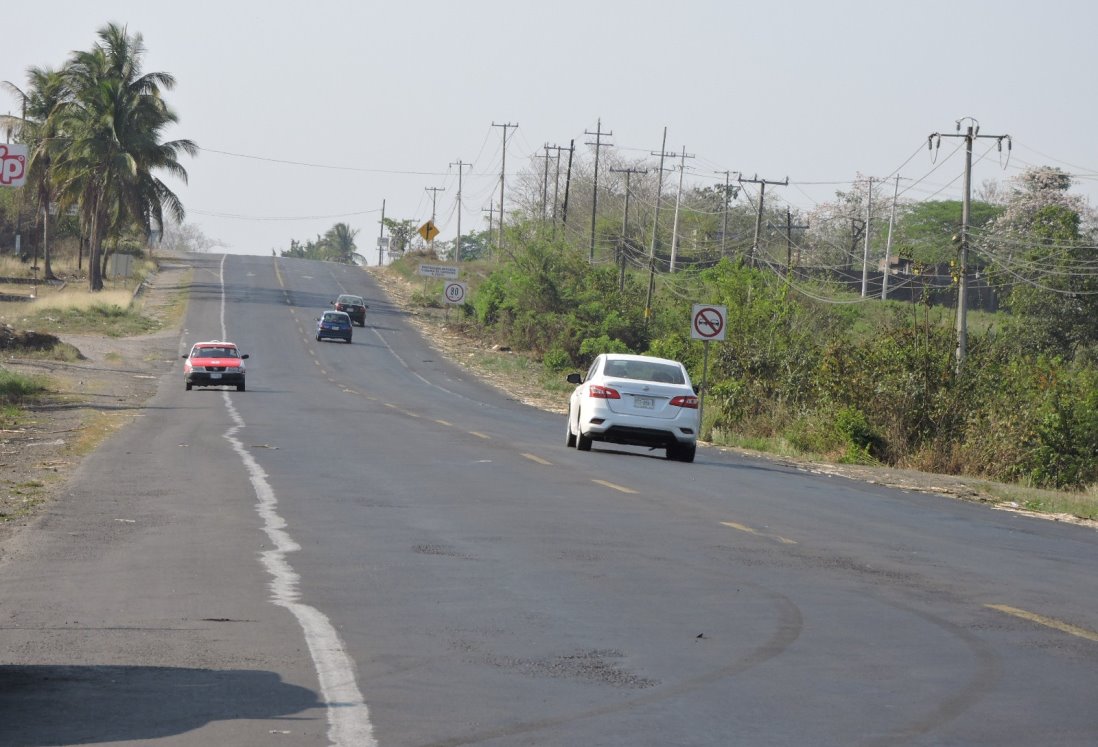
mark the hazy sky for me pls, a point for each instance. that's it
(374, 101)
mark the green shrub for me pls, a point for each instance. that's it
(556, 360)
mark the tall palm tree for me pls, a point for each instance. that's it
(112, 118)
(45, 91)
(339, 242)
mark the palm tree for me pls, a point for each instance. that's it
(45, 90)
(340, 244)
(112, 118)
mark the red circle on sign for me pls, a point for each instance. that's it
(708, 322)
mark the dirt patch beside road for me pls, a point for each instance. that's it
(91, 398)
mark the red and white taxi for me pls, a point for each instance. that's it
(214, 363)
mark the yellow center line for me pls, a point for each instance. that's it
(539, 460)
(741, 527)
(480, 435)
(1048, 622)
(612, 486)
(444, 422)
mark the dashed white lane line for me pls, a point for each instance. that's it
(614, 486)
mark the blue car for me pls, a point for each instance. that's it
(334, 325)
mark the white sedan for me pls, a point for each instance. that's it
(637, 400)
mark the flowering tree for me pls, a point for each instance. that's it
(1041, 250)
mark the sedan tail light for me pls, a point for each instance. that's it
(688, 401)
(602, 392)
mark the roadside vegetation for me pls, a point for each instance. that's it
(811, 368)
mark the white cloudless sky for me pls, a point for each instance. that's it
(372, 101)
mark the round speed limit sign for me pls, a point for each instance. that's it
(454, 292)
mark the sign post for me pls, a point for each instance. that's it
(707, 323)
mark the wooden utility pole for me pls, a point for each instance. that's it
(758, 218)
(381, 235)
(556, 179)
(971, 133)
(545, 185)
(434, 194)
(502, 177)
(730, 194)
(678, 201)
(789, 242)
(461, 169)
(624, 222)
(888, 243)
(491, 210)
(598, 133)
(567, 182)
(865, 254)
(655, 225)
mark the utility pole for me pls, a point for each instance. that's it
(598, 133)
(888, 243)
(625, 221)
(678, 200)
(789, 242)
(655, 225)
(865, 254)
(935, 140)
(545, 185)
(730, 194)
(556, 179)
(502, 177)
(381, 235)
(567, 182)
(758, 218)
(434, 194)
(461, 169)
(491, 210)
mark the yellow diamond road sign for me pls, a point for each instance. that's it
(428, 231)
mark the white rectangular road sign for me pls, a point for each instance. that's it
(438, 271)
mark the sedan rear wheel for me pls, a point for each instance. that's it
(583, 443)
(682, 452)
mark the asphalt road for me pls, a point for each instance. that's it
(369, 546)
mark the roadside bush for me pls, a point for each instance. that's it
(14, 387)
(556, 360)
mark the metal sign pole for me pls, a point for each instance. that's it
(701, 394)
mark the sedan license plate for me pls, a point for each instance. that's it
(644, 403)
(215, 376)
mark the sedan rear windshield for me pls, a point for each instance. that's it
(664, 373)
(214, 353)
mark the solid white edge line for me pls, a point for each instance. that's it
(348, 715)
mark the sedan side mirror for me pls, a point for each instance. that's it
(184, 357)
(574, 378)
(246, 355)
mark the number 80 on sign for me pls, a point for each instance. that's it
(454, 292)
